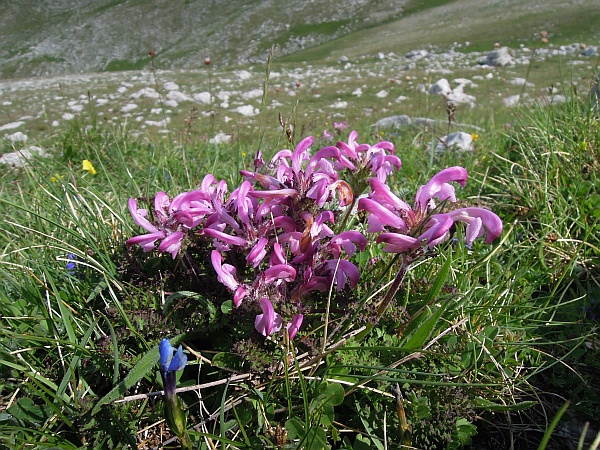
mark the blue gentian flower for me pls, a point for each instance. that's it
(71, 266)
(169, 364)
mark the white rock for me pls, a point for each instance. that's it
(202, 97)
(462, 81)
(393, 122)
(380, 56)
(458, 140)
(489, 75)
(19, 158)
(55, 123)
(511, 101)
(178, 96)
(147, 92)
(68, 116)
(357, 92)
(382, 94)
(76, 108)
(101, 101)
(343, 59)
(340, 105)
(129, 107)
(255, 93)
(220, 138)
(497, 57)
(440, 87)
(11, 126)
(520, 82)
(16, 137)
(170, 86)
(243, 75)
(158, 123)
(155, 110)
(247, 110)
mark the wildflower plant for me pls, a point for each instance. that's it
(284, 233)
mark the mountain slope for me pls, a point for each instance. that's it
(48, 37)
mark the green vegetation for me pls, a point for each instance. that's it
(481, 345)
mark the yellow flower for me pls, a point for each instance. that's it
(56, 178)
(474, 136)
(87, 165)
(243, 154)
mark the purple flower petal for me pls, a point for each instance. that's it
(294, 325)
(398, 243)
(225, 272)
(476, 218)
(172, 243)
(269, 321)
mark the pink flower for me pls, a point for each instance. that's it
(269, 321)
(478, 219)
(401, 222)
(294, 325)
(225, 272)
(343, 271)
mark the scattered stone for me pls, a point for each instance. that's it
(255, 93)
(417, 54)
(343, 59)
(589, 51)
(11, 126)
(357, 92)
(220, 138)
(147, 92)
(243, 74)
(423, 122)
(458, 140)
(16, 137)
(128, 107)
(21, 157)
(440, 87)
(178, 96)
(158, 123)
(382, 94)
(247, 110)
(380, 56)
(521, 82)
(498, 57)
(401, 121)
(170, 86)
(340, 105)
(203, 97)
(512, 101)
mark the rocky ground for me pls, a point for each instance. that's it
(383, 84)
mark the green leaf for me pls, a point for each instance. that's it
(295, 429)
(333, 392)
(139, 371)
(427, 326)
(227, 307)
(228, 361)
(75, 361)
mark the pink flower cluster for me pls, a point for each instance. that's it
(281, 220)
